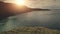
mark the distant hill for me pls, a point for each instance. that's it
(31, 30)
(10, 9)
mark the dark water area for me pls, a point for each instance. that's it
(49, 19)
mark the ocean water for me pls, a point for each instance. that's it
(49, 19)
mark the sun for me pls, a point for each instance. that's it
(19, 2)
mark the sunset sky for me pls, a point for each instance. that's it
(40, 3)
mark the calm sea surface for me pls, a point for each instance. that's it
(50, 19)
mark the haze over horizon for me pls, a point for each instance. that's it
(50, 4)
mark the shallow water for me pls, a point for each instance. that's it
(50, 19)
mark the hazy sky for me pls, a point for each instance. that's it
(42, 3)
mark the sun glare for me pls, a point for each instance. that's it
(19, 2)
